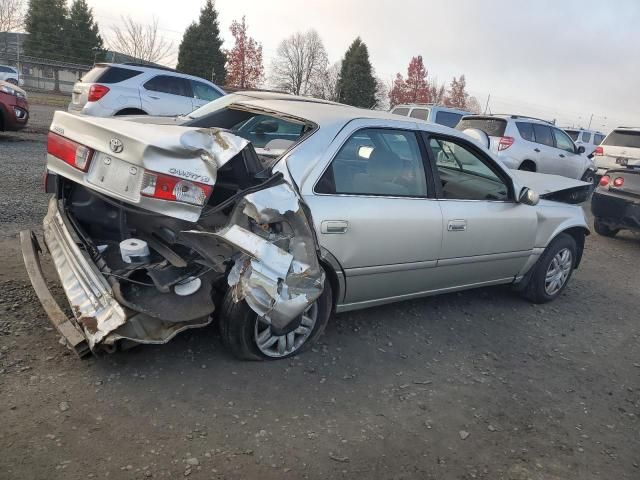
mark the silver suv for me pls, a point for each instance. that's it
(589, 139)
(131, 89)
(449, 117)
(533, 145)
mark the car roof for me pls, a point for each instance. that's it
(628, 129)
(580, 129)
(151, 68)
(508, 116)
(431, 105)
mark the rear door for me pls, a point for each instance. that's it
(487, 236)
(373, 209)
(167, 95)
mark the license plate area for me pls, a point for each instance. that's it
(116, 176)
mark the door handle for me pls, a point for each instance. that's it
(457, 226)
(537, 150)
(562, 155)
(334, 226)
(154, 97)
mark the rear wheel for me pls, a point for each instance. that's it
(12, 81)
(604, 230)
(553, 270)
(250, 337)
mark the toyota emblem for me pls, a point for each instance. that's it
(116, 145)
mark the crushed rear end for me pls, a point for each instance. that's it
(148, 226)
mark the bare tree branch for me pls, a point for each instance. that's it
(11, 15)
(300, 64)
(140, 41)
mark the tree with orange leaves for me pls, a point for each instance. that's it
(244, 60)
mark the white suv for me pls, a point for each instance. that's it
(449, 117)
(589, 139)
(620, 148)
(10, 74)
(531, 144)
(131, 89)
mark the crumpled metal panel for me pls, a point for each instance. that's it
(89, 295)
(278, 275)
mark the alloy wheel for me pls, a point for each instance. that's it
(277, 346)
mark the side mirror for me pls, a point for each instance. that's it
(581, 149)
(528, 197)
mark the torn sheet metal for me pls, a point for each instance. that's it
(276, 273)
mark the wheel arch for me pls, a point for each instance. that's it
(335, 275)
(130, 111)
(578, 233)
(528, 161)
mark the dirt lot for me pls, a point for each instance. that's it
(472, 385)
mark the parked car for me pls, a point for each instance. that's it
(589, 139)
(533, 145)
(153, 227)
(616, 202)
(131, 89)
(11, 75)
(449, 117)
(14, 108)
(620, 148)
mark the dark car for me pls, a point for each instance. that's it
(14, 109)
(616, 202)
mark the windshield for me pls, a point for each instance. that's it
(573, 134)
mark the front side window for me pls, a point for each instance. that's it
(465, 174)
(377, 162)
(526, 131)
(586, 137)
(169, 84)
(420, 113)
(563, 142)
(543, 134)
(448, 119)
(202, 91)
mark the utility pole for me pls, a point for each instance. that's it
(486, 107)
(590, 118)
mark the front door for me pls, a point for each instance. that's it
(569, 161)
(487, 236)
(373, 210)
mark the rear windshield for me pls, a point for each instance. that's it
(573, 134)
(448, 119)
(623, 138)
(493, 127)
(108, 74)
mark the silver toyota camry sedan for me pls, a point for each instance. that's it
(268, 213)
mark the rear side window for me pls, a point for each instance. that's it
(169, 84)
(109, 75)
(543, 134)
(202, 91)
(448, 119)
(420, 113)
(494, 127)
(623, 138)
(526, 131)
(573, 134)
(586, 137)
(401, 111)
(597, 138)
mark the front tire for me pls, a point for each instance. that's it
(249, 337)
(553, 270)
(604, 230)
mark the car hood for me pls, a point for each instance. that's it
(553, 187)
(15, 87)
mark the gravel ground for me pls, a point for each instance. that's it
(474, 385)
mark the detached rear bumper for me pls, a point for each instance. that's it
(95, 310)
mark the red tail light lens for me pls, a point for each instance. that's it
(96, 92)
(599, 151)
(504, 143)
(166, 187)
(604, 180)
(76, 155)
(618, 182)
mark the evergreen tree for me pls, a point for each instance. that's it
(45, 22)
(200, 51)
(83, 34)
(357, 85)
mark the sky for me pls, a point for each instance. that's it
(565, 60)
